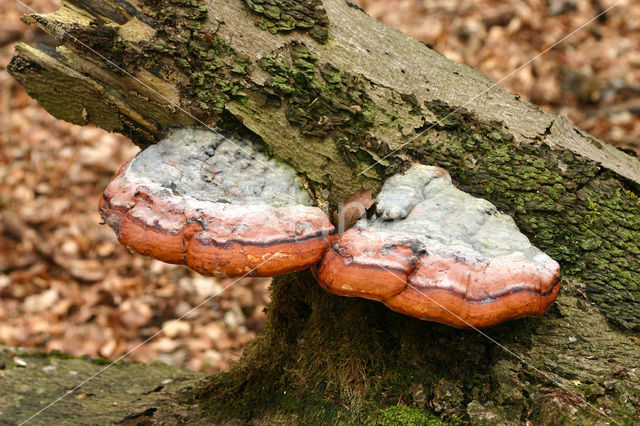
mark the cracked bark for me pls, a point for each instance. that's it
(331, 110)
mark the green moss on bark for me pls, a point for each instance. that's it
(213, 68)
(288, 15)
(123, 393)
(324, 358)
(400, 415)
(327, 359)
(212, 72)
(321, 100)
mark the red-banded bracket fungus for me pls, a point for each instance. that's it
(222, 208)
(439, 254)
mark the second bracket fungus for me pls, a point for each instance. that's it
(439, 254)
(222, 208)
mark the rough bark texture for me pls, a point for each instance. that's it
(330, 91)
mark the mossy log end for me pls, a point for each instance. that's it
(123, 393)
(347, 102)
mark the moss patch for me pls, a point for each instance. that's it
(403, 416)
(321, 100)
(212, 72)
(213, 68)
(288, 15)
(325, 359)
(312, 332)
(136, 392)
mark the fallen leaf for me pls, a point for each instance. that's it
(353, 208)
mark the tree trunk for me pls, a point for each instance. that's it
(347, 102)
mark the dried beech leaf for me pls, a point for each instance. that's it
(353, 208)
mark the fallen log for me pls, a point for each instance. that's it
(348, 102)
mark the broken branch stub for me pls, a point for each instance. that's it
(439, 254)
(221, 207)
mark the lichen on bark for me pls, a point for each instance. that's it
(287, 15)
(321, 100)
(213, 68)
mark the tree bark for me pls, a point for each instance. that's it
(347, 102)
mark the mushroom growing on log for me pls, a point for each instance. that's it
(220, 207)
(439, 254)
(224, 208)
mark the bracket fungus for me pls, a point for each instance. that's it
(222, 208)
(433, 252)
(439, 254)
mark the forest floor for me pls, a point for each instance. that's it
(65, 282)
